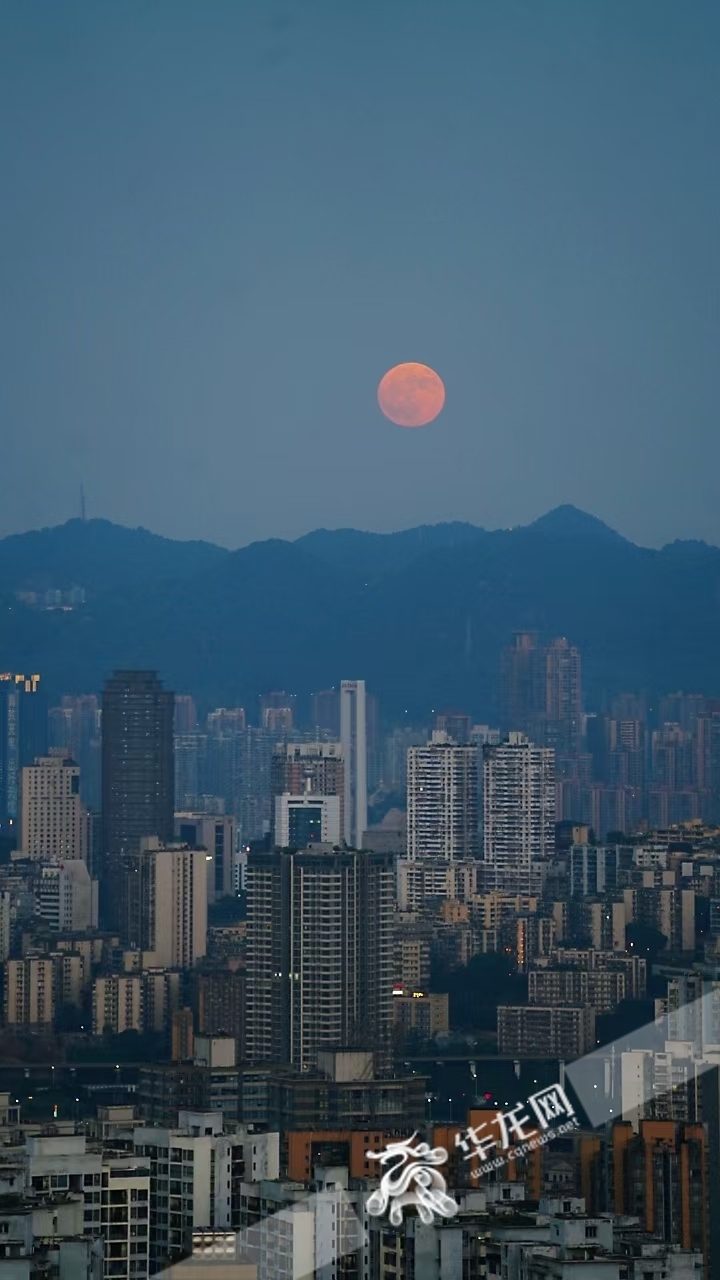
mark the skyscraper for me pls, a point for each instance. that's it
(541, 692)
(442, 800)
(353, 736)
(171, 907)
(316, 767)
(23, 736)
(304, 820)
(75, 729)
(320, 954)
(185, 713)
(137, 778)
(518, 811)
(325, 712)
(217, 833)
(54, 822)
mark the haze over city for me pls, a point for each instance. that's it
(359, 635)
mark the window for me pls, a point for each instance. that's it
(591, 1233)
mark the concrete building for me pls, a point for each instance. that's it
(6, 917)
(353, 737)
(172, 907)
(216, 1255)
(303, 820)
(218, 836)
(209, 1083)
(518, 811)
(125, 1216)
(220, 1002)
(23, 737)
(596, 870)
(317, 768)
(344, 1093)
(422, 880)
(196, 1175)
(292, 1234)
(30, 993)
(54, 821)
(143, 1002)
(423, 1013)
(67, 898)
(138, 781)
(320, 953)
(533, 1031)
(442, 800)
(117, 1004)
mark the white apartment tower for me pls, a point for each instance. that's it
(305, 820)
(66, 896)
(353, 736)
(518, 810)
(442, 800)
(54, 821)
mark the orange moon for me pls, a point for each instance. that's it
(411, 395)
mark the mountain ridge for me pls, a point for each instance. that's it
(421, 614)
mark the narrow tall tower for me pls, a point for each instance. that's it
(138, 780)
(353, 736)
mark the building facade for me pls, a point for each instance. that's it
(442, 800)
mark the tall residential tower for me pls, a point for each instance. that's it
(442, 800)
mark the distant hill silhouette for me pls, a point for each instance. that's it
(421, 615)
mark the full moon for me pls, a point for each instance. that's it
(411, 395)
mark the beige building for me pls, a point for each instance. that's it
(117, 1004)
(54, 821)
(142, 1001)
(534, 1031)
(69, 978)
(423, 1012)
(173, 903)
(30, 992)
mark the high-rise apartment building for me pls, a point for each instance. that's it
(442, 800)
(325, 712)
(217, 834)
(137, 758)
(320, 954)
(30, 993)
(67, 897)
(23, 736)
(316, 767)
(137, 779)
(456, 724)
(277, 711)
(518, 811)
(171, 907)
(74, 730)
(308, 819)
(353, 736)
(204, 1168)
(541, 692)
(54, 822)
(185, 715)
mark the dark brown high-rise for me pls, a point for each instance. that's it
(137, 778)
